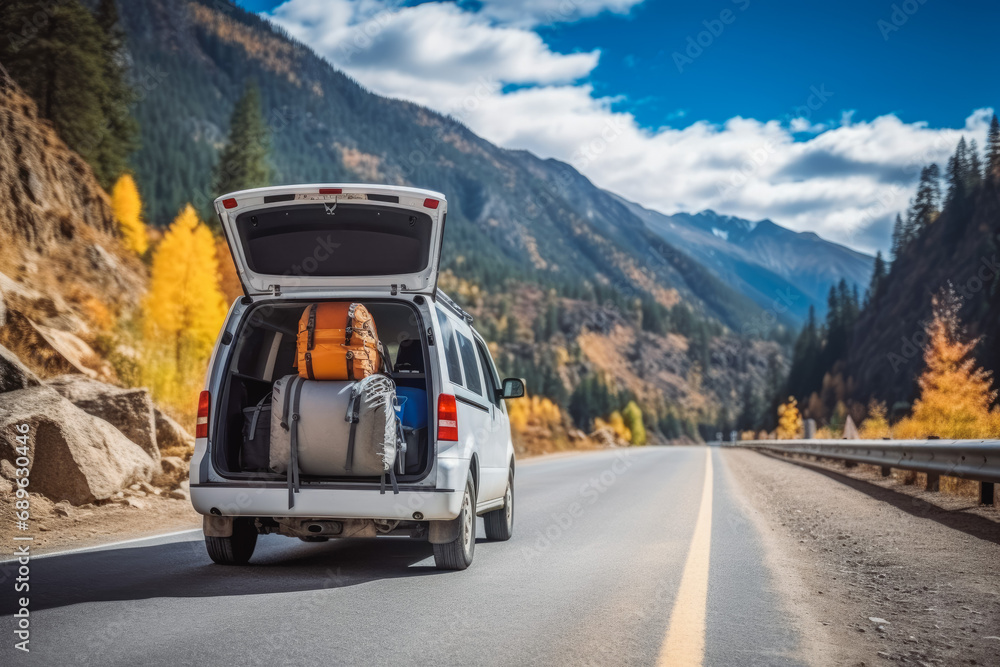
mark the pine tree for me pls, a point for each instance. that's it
(955, 395)
(244, 161)
(183, 309)
(119, 139)
(878, 275)
(898, 237)
(993, 151)
(975, 173)
(127, 205)
(66, 61)
(957, 173)
(750, 410)
(924, 207)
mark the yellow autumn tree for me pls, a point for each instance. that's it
(533, 411)
(127, 206)
(789, 420)
(632, 416)
(183, 310)
(876, 426)
(616, 424)
(955, 395)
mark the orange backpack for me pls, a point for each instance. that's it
(337, 341)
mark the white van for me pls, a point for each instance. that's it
(380, 246)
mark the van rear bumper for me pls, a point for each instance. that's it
(313, 502)
(243, 500)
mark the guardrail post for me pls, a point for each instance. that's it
(986, 496)
(886, 471)
(933, 482)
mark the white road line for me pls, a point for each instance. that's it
(99, 547)
(685, 640)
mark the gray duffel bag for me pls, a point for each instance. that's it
(334, 428)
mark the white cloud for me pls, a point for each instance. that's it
(527, 13)
(433, 54)
(845, 182)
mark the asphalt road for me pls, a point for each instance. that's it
(593, 575)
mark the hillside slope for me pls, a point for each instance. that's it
(960, 248)
(64, 275)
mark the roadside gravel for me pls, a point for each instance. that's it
(891, 573)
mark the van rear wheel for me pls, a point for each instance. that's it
(235, 549)
(499, 523)
(457, 554)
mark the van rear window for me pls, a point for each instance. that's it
(343, 240)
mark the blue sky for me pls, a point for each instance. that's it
(812, 114)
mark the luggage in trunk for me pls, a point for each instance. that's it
(337, 341)
(413, 418)
(255, 453)
(326, 440)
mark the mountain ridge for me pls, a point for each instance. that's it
(764, 260)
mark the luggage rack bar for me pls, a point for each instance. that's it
(455, 308)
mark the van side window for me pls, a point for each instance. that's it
(492, 381)
(450, 348)
(473, 380)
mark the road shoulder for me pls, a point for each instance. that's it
(892, 581)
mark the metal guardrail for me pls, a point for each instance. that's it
(977, 460)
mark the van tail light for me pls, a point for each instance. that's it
(431, 203)
(229, 203)
(447, 418)
(201, 428)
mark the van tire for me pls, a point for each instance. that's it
(457, 555)
(499, 523)
(235, 549)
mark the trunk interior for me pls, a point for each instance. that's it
(264, 351)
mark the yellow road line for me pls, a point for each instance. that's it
(685, 640)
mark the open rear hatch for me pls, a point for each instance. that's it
(320, 239)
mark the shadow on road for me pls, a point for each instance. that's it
(957, 519)
(183, 569)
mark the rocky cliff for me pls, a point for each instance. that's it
(65, 278)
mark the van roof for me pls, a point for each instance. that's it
(456, 309)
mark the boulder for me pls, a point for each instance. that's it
(13, 374)
(128, 410)
(171, 436)
(173, 471)
(74, 456)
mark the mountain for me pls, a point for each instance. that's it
(512, 216)
(763, 260)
